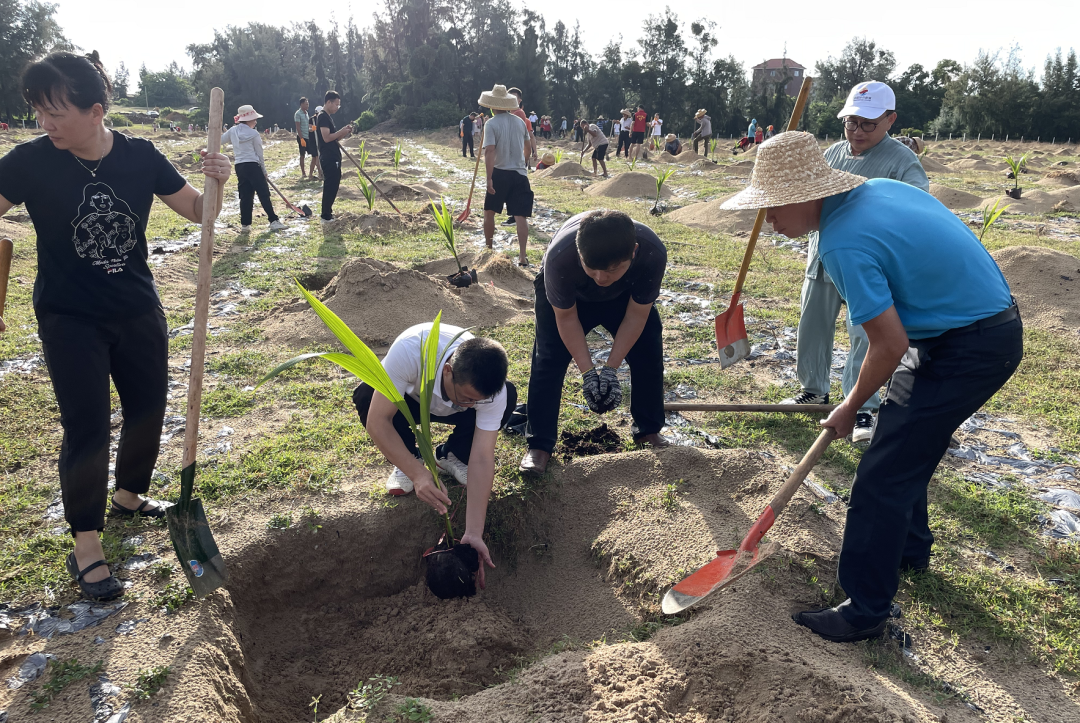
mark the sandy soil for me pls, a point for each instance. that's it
(708, 216)
(628, 185)
(1046, 284)
(953, 198)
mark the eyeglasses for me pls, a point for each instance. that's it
(468, 402)
(866, 126)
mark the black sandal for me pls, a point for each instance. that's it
(108, 589)
(158, 511)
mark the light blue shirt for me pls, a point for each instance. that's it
(887, 243)
(301, 117)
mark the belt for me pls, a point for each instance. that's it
(1002, 317)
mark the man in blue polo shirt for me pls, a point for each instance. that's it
(943, 331)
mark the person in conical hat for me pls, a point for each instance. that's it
(672, 144)
(943, 331)
(510, 143)
(703, 132)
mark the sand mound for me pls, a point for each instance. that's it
(565, 169)
(953, 198)
(1046, 285)
(704, 164)
(627, 185)
(708, 216)
(1061, 178)
(1036, 201)
(379, 222)
(400, 192)
(687, 156)
(666, 157)
(496, 268)
(931, 166)
(378, 301)
(974, 164)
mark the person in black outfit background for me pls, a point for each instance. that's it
(602, 268)
(330, 152)
(466, 126)
(97, 309)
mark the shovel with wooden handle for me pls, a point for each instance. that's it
(729, 565)
(7, 248)
(305, 210)
(476, 169)
(360, 170)
(188, 527)
(731, 338)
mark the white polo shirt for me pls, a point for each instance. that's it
(405, 367)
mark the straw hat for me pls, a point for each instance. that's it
(669, 137)
(790, 168)
(498, 99)
(244, 114)
(548, 159)
(625, 111)
(700, 113)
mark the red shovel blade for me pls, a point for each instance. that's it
(731, 338)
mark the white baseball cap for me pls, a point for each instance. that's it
(869, 100)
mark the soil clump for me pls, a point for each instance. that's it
(496, 268)
(708, 216)
(687, 156)
(953, 198)
(566, 169)
(628, 185)
(932, 166)
(378, 301)
(1037, 201)
(1061, 178)
(1046, 284)
(598, 440)
(973, 164)
(704, 164)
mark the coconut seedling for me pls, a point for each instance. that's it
(368, 189)
(1017, 167)
(397, 159)
(989, 215)
(363, 153)
(661, 179)
(363, 364)
(558, 155)
(444, 217)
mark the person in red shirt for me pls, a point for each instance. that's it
(637, 131)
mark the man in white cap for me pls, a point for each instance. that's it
(943, 331)
(867, 151)
(507, 144)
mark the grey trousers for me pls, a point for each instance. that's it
(817, 330)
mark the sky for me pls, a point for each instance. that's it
(157, 33)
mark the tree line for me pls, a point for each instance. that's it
(423, 64)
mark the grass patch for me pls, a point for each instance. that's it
(148, 681)
(62, 673)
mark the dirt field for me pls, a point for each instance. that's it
(326, 591)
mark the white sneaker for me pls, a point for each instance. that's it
(245, 229)
(454, 467)
(864, 427)
(398, 483)
(807, 398)
(327, 220)
(277, 226)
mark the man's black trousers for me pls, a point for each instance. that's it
(550, 359)
(81, 354)
(467, 141)
(460, 440)
(940, 382)
(331, 170)
(251, 182)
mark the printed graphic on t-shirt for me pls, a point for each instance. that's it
(105, 228)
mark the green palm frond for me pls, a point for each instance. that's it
(661, 179)
(989, 215)
(444, 217)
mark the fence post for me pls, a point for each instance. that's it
(1006, 137)
(1054, 142)
(965, 138)
(936, 137)
(826, 137)
(950, 136)
(980, 136)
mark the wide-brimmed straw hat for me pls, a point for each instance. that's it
(790, 168)
(548, 159)
(701, 112)
(625, 111)
(498, 99)
(245, 113)
(670, 137)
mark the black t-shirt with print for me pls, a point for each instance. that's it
(328, 150)
(91, 231)
(566, 283)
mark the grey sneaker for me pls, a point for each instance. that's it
(807, 398)
(277, 225)
(864, 427)
(509, 222)
(454, 467)
(245, 229)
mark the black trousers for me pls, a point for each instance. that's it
(460, 440)
(467, 140)
(550, 358)
(81, 354)
(624, 142)
(331, 170)
(940, 382)
(251, 181)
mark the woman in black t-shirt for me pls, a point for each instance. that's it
(89, 191)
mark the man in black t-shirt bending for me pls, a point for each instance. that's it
(601, 269)
(330, 152)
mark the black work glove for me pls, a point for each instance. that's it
(590, 389)
(610, 389)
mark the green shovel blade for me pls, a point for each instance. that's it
(193, 541)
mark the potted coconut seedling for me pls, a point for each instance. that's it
(450, 567)
(989, 215)
(1016, 168)
(661, 179)
(445, 219)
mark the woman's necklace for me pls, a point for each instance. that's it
(93, 173)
